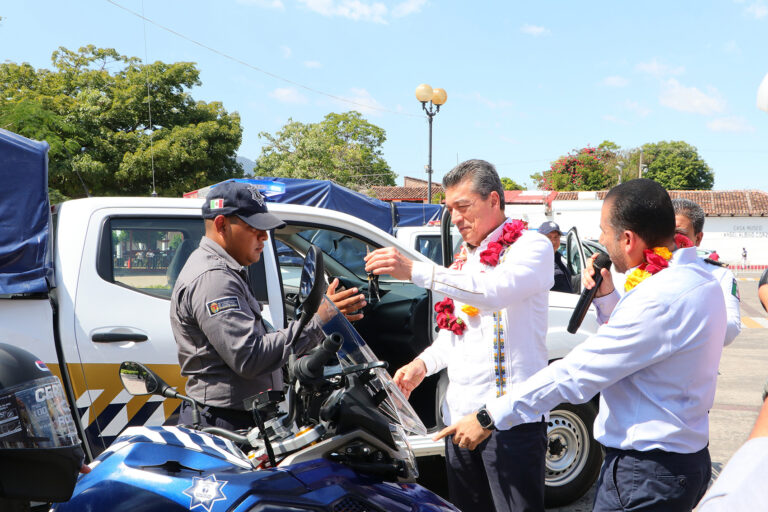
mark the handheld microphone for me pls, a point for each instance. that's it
(602, 261)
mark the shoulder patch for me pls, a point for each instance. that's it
(221, 305)
(735, 289)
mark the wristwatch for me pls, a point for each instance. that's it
(485, 419)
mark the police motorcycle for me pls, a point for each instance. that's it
(335, 440)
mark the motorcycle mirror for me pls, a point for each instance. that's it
(139, 380)
(310, 288)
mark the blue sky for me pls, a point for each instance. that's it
(527, 82)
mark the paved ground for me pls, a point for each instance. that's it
(743, 370)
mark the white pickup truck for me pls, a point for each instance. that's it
(115, 261)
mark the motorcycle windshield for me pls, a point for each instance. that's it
(355, 351)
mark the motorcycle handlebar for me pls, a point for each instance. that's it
(310, 367)
(237, 438)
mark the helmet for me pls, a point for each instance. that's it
(40, 453)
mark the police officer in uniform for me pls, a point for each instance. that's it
(226, 350)
(653, 360)
(689, 222)
(551, 230)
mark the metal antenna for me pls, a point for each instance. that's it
(149, 103)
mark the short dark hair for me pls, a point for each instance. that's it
(484, 178)
(643, 207)
(692, 210)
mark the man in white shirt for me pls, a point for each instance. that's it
(741, 485)
(689, 222)
(654, 362)
(499, 285)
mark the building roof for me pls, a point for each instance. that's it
(405, 193)
(715, 203)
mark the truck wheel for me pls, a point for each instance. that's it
(573, 456)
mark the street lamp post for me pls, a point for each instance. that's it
(436, 98)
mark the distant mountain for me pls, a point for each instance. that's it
(247, 164)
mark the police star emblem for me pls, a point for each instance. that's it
(205, 492)
(256, 195)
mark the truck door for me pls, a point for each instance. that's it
(575, 258)
(130, 262)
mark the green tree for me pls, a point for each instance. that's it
(92, 108)
(344, 148)
(676, 165)
(510, 184)
(583, 169)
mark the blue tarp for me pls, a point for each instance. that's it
(25, 258)
(327, 194)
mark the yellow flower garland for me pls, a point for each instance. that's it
(639, 275)
(470, 310)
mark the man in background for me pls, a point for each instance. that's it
(562, 277)
(689, 222)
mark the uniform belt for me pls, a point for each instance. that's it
(224, 411)
(656, 452)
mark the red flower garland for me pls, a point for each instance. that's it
(446, 319)
(682, 241)
(510, 232)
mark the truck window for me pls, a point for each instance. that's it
(147, 254)
(344, 250)
(429, 246)
(291, 264)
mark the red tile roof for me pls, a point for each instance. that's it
(404, 193)
(715, 203)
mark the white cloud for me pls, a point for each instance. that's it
(286, 52)
(615, 81)
(271, 4)
(658, 69)
(356, 10)
(289, 95)
(312, 64)
(690, 99)
(407, 7)
(363, 102)
(758, 10)
(731, 125)
(615, 120)
(491, 103)
(534, 30)
(638, 109)
(508, 140)
(732, 47)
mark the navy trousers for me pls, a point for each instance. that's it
(229, 419)
(652, 481)
(504, 473)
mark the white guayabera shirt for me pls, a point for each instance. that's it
(654, 364)
(505, 342)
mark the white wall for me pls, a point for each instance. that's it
(533, 214)
(729, 234)
(726, 235)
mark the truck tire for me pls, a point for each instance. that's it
(573, 456)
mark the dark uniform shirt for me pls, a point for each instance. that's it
(562, 276)
(224, 348)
